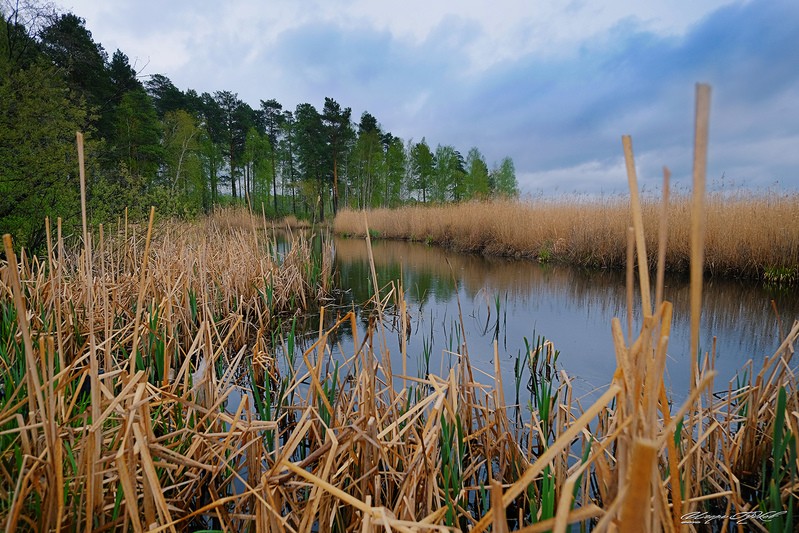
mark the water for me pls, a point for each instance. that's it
(571, 307)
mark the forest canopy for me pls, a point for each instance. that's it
(150, 142)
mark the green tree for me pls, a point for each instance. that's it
(183, 166)
(212, 160)
(396, 164)
(312, 154)
(138, 135)
(274, 119)
(422, 164)
(246, 118)
(70, 46)
(136, 153)
(477, 174)
(367, 160)
(233, 131)
(166, 97)
(122, 76)
(339, 134)
(447, 174)
(504, 179)
(212, 146)
(22, 24)
(287, 155)
(257, 164)
(38, 165)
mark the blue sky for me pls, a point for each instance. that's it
(552, 84)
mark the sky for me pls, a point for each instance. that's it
(553, 84)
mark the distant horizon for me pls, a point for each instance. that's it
(552, 87)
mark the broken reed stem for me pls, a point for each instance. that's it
(142, 292)
(371, 260)
(82, 173)
(636, 509)
(638, 225)
(34, 383)
(697, 254)
(630, 282)
(94, 489)
(663, 237)
(697, 217)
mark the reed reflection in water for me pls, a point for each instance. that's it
(571, 307)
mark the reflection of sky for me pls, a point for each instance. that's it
(570, 307)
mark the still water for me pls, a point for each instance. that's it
(509, 300)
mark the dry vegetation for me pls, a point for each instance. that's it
(94, 437)
(213, 424)
(146, 387)
(748, 236)
(293, 222)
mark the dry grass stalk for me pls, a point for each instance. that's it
(747, 235)
(198, 419)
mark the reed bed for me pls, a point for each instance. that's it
(327, 442)
(293, 222)
(117, 357)
(251, 435)
(749, 236)
(148, 387)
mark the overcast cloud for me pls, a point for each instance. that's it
(551, 84)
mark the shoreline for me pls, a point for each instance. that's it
(751, 239)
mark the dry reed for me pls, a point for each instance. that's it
(749, 236)
(172, 440)
(127, 331)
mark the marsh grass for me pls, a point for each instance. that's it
(116, 363)
(747, 235)
(140, 393)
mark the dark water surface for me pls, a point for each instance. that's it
(573, 308)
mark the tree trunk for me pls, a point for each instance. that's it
(232, 172)
(321, 198)
(274, 182)
(335, 187)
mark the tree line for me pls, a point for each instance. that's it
(151, 143)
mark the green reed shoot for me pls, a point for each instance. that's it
(452, 450)
(782, 438)
(743, 405)
(329, 388)
(267, 295)
(583, 460)
(261, 396)
(12, 387)
(193, 305)
(157, 348)
(485, 499)
(548, 499)
(427, 351)
(518, 372)
(783, 441)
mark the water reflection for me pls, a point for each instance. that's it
(571, 307)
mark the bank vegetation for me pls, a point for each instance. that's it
(748, 236)
(154, 379)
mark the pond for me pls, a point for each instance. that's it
(510, 300)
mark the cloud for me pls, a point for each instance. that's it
(554, 116)
(553, 85)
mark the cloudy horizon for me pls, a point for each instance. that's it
(554, 86)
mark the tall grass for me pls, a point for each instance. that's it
(752, 236)
(140, 393)
(117, 362)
